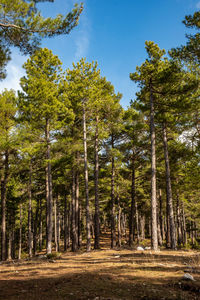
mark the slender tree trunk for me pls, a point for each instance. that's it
(13, 234)
(30, 233)
(20, 232)
(40, 227)
(3, 207)
(88, 233)
(9, 244)
(159, 232)
(58, 227)
(161, 216)
(35, 229)
(137, 223)
(49, 197)
(169, 190)
(113, 230)
(184, 227)
(73, 216)
(80, 225)
(179, 222)
(132, 212)
(96, 184)
(65, 224)
(119, 221)
(142, 227)
(55, 226)
(77, 203)
(154, 234)
(192, 232)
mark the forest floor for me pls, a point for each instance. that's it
(103, 274)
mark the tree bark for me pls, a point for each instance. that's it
(65, 223)
(30, 233)
(88, 233)
(55, 226)
(142, 227)
(35, 229)
(4, 182)
(180, 240)
(113, 230)
(137, 223)
(58, 226)
(77, 225)
(154, 234)
(132, 212)
(119, 221)
(20, 232)
(162, 231)
(96, 184)
(40, 227)
(73, 216)
(169, 190)
(49, 197)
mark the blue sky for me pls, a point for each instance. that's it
(113, 33)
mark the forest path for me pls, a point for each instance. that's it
(103, 274)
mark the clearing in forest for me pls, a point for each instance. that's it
(103, 274)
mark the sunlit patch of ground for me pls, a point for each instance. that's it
(104, 274)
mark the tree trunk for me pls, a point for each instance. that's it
(169, 190)
(49, 197)
(113, 231)
(80, 226)
(9, 244)
(119, 222)
(88, 233)
(137, 223)
(65, 223)
(132, 212)
(162, 231)
(35, 231)
(180, 240)
(142, 227)
(58, 227)
(73, 215)
(20, 232)
(3, 207)
(154, 234)
(184, 227)
(55, 226)
(96, 184)
(40, 227)
(77, 204)
(159, 232)
(30, 233)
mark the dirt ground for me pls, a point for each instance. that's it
(102, 275)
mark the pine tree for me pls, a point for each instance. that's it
(22, 26)
(43, 104)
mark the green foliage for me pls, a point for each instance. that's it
(22, 26)
(42, 98)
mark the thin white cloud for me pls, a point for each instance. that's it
(198, 5)
(82, 40)
(14, 73)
